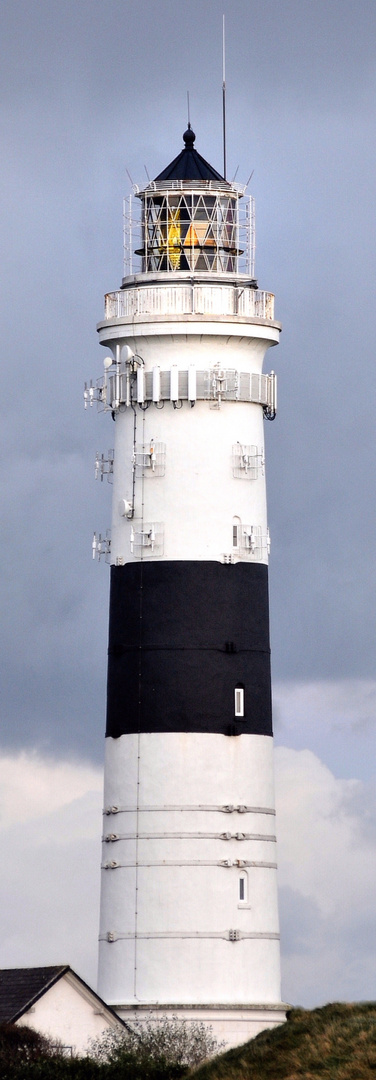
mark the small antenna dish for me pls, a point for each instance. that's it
(108, 361)
(125, 508)
(127, 353)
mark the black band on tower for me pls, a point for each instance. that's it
(183, 636)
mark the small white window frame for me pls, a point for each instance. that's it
(236, 532)
(243, 889)
(239, 701)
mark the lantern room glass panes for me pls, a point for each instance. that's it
(190, 231)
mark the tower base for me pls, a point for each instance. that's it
(231, 1025)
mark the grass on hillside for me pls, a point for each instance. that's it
(336, 1042)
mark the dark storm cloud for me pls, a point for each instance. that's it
(89, 89)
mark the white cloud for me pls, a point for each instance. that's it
(346, 704)
(327, 878)
(32, 786)
(50, 829)
(334, 718)
(324, 849)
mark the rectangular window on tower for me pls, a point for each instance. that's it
(243, 890)
(239, 701)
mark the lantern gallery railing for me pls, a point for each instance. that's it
(186, 299)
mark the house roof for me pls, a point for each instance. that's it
(189, 165)
(20, 988)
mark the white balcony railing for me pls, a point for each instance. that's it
(184, 299)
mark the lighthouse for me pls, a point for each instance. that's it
(189, 913)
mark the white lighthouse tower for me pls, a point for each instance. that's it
(189, 916)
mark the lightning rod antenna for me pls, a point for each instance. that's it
(224, 95)
(188, 110)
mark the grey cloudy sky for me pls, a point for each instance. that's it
(88, 89)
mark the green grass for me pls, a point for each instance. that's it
(336, 1042)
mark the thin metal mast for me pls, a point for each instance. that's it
(224, 96)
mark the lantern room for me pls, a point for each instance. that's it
(192, 221)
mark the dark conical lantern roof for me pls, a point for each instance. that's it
(189, 165)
